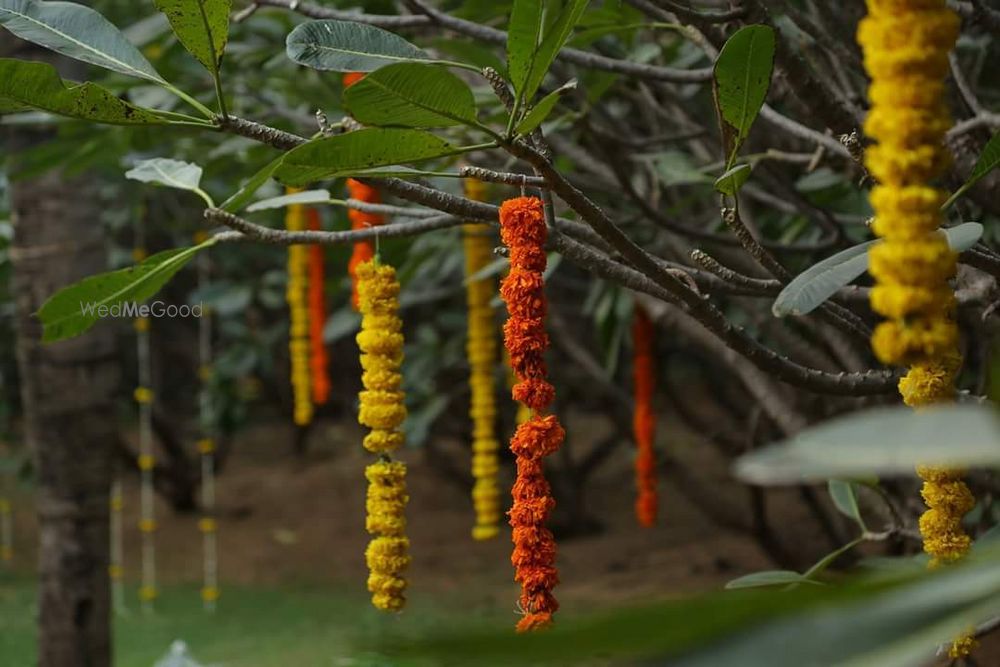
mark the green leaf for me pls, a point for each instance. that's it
(676, 167)
(531, 47)
(731, 181)
(818, 283)
(347, 154)
(845, 498)
(988, 160)
(306, 197)
(74, 309)
(346, 46)
(555, 38)
(37, 85)
(742, 78)
(242, 197)
(883, 440)
(821, 281)
(411, 95)
(884, 620)
(542, 110)
(167, 172)
(202, 26)
(524, 34)
(77, 32)
(768, 578)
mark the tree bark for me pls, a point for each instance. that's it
(68, 393)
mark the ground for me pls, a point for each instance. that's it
(292, 541)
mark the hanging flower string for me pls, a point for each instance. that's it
(298, 335)
(481, 349)
(643, 419)
(143, 396)
(906, 45)
(383, 412)
(317, 317)
(207, 524)
(523, 230)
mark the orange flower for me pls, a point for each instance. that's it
(644, 420)
(522, 228)
(363, 250)
(317, 318)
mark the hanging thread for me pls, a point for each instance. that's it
(523, 230)
(363, 251)
(6, 528)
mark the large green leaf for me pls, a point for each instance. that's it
(411, 95)
(346, 46)
(75, 31)
(347, 154)
(37, 85)
(889, 440)
(202, 26)
(524, 34)
(74, 309)
(822, 280)
(742, 78)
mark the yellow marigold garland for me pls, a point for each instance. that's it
(296, 293)
(481, 349)
(383, 411)
(906, 45)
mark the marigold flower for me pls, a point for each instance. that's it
(383, 411)
(481, 350)
(906, 45)
(522, 228)
(643, 419)
(317, 318)
(296, 293)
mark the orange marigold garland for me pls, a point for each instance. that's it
(523, 230)
(643, 419)
(364, 251)
(317, 318)
(383, 412)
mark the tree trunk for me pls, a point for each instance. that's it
(68, 396)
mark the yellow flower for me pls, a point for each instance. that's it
(298, 334)
(382, 409)
(481, 351)
(906, 45)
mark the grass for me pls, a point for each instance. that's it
(302, 625)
